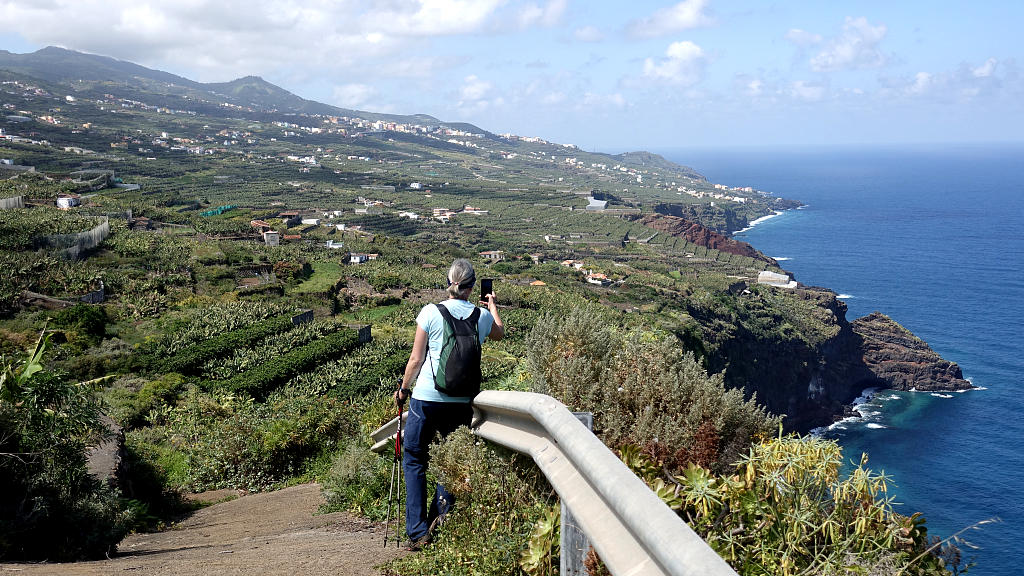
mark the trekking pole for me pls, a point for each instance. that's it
(398, 458)
(394, 467)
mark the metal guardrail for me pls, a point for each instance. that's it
(633, 531)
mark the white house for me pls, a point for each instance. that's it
(68, 202)
(775, 279)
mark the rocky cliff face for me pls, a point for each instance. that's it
(702, 236)
(902, 361)
(813, 380)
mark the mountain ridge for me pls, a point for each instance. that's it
(61, 66)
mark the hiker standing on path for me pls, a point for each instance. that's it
(443, 359)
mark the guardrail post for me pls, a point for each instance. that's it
(574, 544)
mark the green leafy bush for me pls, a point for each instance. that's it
(642, 388)
(132, 408)
(358, 482)
(500, 496)
(220, 441)
(85, 322)
(190, 360)
(358, 373)
(787, 510)
(51, 508)
(262, 379)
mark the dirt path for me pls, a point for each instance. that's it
(274, 534)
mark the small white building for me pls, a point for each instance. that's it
(272, 238)
(335, 245)
(493, 255)
(596, 205)
(416, 186)
(68, 202)
(358, 258)
(311, 221)
(776, 279)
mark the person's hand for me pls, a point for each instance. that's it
(401, 395)
(490, 302)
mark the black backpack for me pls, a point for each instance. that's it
(458, 370)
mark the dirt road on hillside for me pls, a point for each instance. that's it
(274, 534)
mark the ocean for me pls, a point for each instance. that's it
(933, 236)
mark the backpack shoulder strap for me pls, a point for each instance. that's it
(445, 313)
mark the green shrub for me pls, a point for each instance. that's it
(262, 379)
(191, 359)
(643, 389)
(382, 281)
(83, 322)
(787, 510)
(51, 508)
(220, 441)
(358, 482)
(132, 408)
(354, 375)
(500, 496)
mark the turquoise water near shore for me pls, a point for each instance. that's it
(934, 237)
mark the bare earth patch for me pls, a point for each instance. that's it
(274, 533)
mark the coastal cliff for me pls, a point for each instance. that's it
(902, 361)
(812, 364)
(702, 236)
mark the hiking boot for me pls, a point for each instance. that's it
(417, 545)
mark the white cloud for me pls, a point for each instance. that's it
(588, 34)
(755, 87)
(807, 91)
(216, 40)
(986, 69)
(474, 88)
(803, 38)
(855, 48)
(595, 100)
(430, 17)
(353, 95)
(922, 81)
(966, 82)
(548, 15)
(683, 64)
(554, 98)
(685, 15)
(477, 95)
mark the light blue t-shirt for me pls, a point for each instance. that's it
(432, 322)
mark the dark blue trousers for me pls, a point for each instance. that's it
(425, 421)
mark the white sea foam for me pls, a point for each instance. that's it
(865, 396)
(865, 412)
(781, 258)
(937, 395)
(757, 221)
(844, 296)
(875, 425)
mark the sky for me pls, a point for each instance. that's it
(604, 75)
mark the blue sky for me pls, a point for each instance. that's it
(606, 76)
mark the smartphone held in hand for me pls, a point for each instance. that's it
(486, 287)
